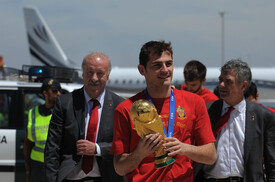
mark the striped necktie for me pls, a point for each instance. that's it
(222, 121)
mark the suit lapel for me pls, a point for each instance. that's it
(79, 111)
(106, 116)
(214, 111)
(249, 130)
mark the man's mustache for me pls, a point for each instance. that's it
(92, 83)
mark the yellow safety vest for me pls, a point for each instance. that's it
(38, 126)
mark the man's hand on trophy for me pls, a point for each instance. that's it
(174, 146)
(149, 144)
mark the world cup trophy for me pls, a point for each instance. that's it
(146, 120)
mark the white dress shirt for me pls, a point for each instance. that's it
(78, 173)
(229, 145)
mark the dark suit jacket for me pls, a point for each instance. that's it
(67, 126)
(259, 141)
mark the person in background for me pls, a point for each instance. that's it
(134, 156)
(2, 70)
(244, 132)
(81, 129)
(194, 78)
(252, 94)
(216, 91)
(37, 131)
(2, 63)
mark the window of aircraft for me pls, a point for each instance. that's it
(137, 82)
(143, 81)
(123, 82)
(130, 81)
(116, 81)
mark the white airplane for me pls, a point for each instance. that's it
(43, 46)
(45, 49)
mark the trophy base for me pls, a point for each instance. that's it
(163, 160)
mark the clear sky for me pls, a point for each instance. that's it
(119, 28)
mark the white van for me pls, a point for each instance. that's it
(16, 98)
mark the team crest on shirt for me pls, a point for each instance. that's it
(181, 113)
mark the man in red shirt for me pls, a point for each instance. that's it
(190, 124)
(194, 78)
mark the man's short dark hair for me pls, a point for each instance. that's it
(153, 48)
(194, 70)
(50, 83)
(251, 91)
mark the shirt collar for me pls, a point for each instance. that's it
(100, 98)
(238, 107)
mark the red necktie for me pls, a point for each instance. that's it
(87, 162)
(222, 121)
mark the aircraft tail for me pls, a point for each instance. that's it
(43, 46)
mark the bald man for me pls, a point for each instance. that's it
(71, 153)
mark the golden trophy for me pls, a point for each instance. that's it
(146, 120)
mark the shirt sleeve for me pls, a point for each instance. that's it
(98, 151)
(121, 130)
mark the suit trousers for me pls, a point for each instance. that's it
(37, 172)
(88, 179)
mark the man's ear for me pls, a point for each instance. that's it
(257, 96)
(203, 81)
(108, 76)
(244, 85)
(44, 93)
(141, 69)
